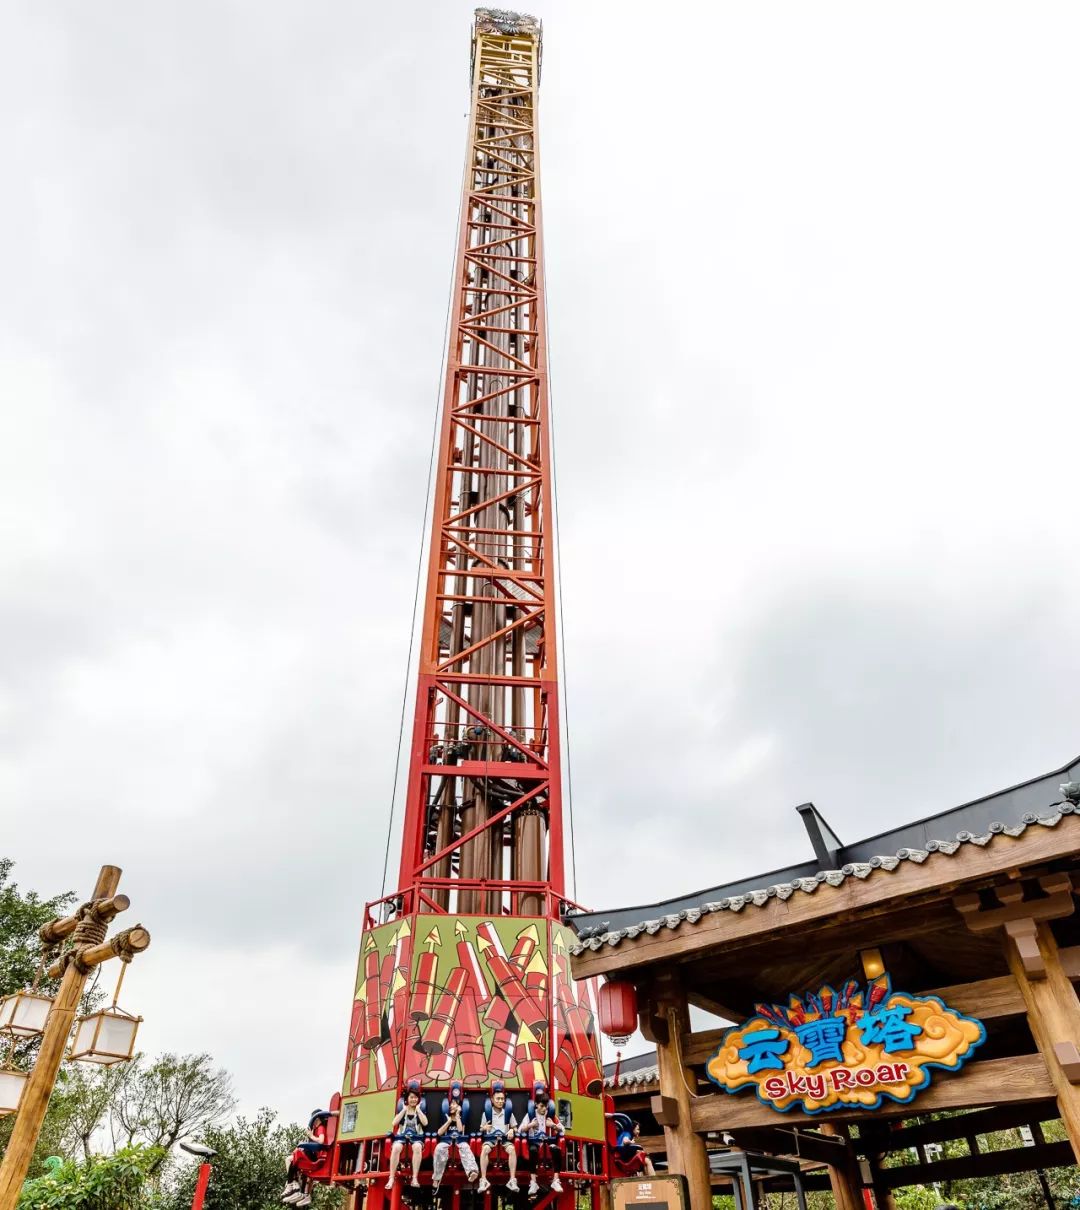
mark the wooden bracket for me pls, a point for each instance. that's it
(1025, 937)
(1068, 1058)
(653, 1020)
(665, 1110)
(1058, 902)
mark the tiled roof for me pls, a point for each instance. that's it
(594, 933)
(634, 1079)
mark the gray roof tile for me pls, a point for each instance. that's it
(595, 933)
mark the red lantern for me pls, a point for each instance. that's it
(618, 1011)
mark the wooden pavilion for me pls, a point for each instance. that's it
(974, 905)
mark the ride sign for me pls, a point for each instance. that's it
(859, 1046)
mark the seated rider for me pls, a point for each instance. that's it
(631, 1152)
(408, 1127)
(544, 1127)
(454, 1130)
(498, 1131)
(297, 1191)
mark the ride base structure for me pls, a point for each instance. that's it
(463, 983)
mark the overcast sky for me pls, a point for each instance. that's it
(813, 276)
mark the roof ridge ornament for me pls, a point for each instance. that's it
(827, 845)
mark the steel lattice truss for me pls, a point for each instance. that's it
(483, 826)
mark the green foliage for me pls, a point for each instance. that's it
(115, 1182)
(174, 1097)
(916, 1197)
(779, 1201)
(249, 1169)
(20, 918)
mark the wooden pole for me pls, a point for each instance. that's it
(38, 1090)
(1053, 1011)
(137, 939)
(685, 1148)
(57, 930)
(844, 1176)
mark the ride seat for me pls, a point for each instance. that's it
(618, 1130)
(465, 1136)
(426, 1140)
(497, 1159)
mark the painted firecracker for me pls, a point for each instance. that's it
(474, 999)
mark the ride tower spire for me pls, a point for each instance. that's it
(483, 820)
(463, 985)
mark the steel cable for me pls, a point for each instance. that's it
(423, 535)
(561, 627)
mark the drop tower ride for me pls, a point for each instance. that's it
(464, 972)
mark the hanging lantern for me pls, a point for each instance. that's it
(12, 1084)
(618, 1011)
(24, 1014)
(105, 1037)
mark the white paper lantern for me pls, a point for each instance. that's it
(105, 1037)
(12, 1084)
(24, 1014)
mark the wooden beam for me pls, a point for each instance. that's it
(707, 1004)
(1053, 1013)
(982, 1121)
(880, 892)
(986, 1163)
(135, 939)
(985, 1082)
(105, 909)
(986, 999)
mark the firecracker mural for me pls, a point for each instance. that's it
(828, 1049)
(470, 998)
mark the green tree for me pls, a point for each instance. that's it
(115, 1182)
(82, 1104)
(21, 915)
(169, 1100)
(249, 1169)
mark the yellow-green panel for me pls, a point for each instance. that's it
(367, 1116)
(587, 1116)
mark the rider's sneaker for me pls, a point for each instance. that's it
(484, 1185)
(556, 1185)
(290, 1199)
(534, 1188)
(512, 1184)
(304, 1202)
(291, 1187)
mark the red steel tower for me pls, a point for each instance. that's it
(464, 976)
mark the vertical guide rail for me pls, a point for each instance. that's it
(483, 826)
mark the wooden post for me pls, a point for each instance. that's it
(1053, 1011)
(686, 1152)
(35, 1098)
(844, 1177)
(883, 1195)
